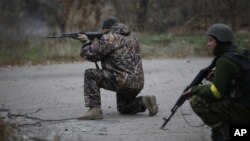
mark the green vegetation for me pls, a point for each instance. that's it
(178, 46)
(40, 52)
(165, 45)
(48, 51)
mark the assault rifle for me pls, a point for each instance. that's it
(75, 35)
(197, 80)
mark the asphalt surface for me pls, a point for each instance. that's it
(44, 101)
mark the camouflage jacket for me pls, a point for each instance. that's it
(119, 52)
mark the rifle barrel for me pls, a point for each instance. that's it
(167, 120)
(53, 36)
(197, 80)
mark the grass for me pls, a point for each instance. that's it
(40, 52)
(171, 46)
(178, 46)
(48, 51)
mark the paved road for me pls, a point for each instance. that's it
(54, 92)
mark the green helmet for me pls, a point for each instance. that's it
(221, 32)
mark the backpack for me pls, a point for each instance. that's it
(242, 83)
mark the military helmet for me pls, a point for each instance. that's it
(221, 32)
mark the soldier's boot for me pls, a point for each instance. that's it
(149, 101)
(92, 114)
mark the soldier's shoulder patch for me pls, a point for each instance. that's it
(109, 38)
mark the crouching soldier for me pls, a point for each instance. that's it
(122, 72)
(227, 99)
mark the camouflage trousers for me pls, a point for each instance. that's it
(219, 115)
(126, 98)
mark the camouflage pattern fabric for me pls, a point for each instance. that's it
(219, 114)
(122, 72)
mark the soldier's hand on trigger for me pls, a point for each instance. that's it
(83, 38)
(210, 76)
(187, 93)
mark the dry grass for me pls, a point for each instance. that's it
(48, 51)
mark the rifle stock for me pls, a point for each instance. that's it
(197, 80)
